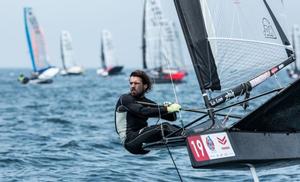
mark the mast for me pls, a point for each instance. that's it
(102, 53)
(193, 26)
(144, 37)
(62, 51)
(27, 11)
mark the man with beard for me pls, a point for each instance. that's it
(131, 117)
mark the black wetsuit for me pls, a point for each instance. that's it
(131, 123)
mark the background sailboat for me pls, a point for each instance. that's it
(108, 60)
(162, 57)
(43, 72)
(67, 55)
(294, 71)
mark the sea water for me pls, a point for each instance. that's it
(64, 131)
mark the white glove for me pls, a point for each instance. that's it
(173, 108)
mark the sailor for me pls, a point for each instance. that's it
(131, 117)
(22, 79)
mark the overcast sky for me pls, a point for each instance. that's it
(85, 19)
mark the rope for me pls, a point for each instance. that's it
(174, 163)
(173, 87)
(180, 116)
(159, 113)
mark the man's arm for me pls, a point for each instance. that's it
(165, 115)
(140, 110)
(170, 116)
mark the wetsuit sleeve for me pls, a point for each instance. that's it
(166, 115)
(169, 116)
(140, 110)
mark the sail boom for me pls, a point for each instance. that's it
(248, 86)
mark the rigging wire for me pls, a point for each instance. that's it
(174, 162)
(173, 87)
(161, 24)
(180, 116)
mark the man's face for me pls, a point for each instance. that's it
(137, 88)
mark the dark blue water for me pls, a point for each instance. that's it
(65, 132)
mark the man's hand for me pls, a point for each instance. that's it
(173, 108)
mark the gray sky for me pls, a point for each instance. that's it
(85, 19)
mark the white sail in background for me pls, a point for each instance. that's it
(153, 32)
(66, 49)
(108, 60)
(161, 38)
(170, 46)
(162, 56)
(67, 55)
(107, 50)
(177, 51)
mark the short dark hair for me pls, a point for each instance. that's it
(145, 78)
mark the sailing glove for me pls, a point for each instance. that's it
(173, 108)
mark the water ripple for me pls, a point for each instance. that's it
(65, 132)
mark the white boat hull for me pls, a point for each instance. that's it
(48, 74)
(74, 70)
(102, 72)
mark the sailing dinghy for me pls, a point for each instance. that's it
(162, 57)
(294, 71)
(67, 56)
(108, 60)
(233, 50)
(43, 72)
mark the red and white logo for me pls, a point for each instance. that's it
(222, 140)
(210, 146)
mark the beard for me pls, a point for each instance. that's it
(135, 93)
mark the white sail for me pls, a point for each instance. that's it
(67, 55)
(153, 27)
(107, 51)
(108, 60)
(232, 48)
(244, 44)
(177, 51)
(66, 49)
(161, 38)
(170, 48)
